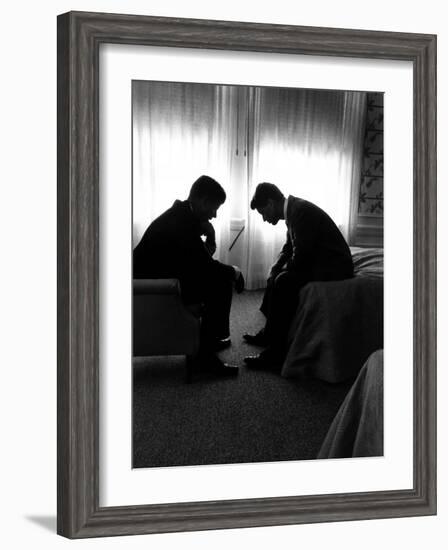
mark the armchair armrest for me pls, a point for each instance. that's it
(162, 325)
(156, 286)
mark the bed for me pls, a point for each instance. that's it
(338, 324)
(357, 429)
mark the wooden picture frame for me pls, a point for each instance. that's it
(79, 37)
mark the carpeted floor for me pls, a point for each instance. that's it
(254, 417)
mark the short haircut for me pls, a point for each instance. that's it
(206, 187)
(263, 193)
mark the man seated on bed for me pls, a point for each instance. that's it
(172, 247)
(315, 250)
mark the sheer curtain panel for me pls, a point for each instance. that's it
(308, 143)
(180, 131)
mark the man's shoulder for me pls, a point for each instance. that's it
(164, 221)
(179, 209)
(302, 211)
(299, 202)
(179, 205)
(297, 205)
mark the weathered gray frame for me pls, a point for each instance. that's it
(79, 37)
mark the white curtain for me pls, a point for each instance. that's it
(308, 143)
(180, 131)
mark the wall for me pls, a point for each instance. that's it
(369, 231)
(371, 189)
(28, 289)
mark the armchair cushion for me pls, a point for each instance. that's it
(162, 323)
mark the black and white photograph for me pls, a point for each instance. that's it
(224, 300)
(257, 237)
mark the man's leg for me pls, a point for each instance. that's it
(267, 297)
(215, 329)
(217, 303)
(283, 305)
(215, 299)
(260, 338)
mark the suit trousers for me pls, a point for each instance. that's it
(279, 305)
(215, 296)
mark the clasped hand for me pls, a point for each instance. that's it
(208, 231)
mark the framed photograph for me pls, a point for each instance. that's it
(206, 381)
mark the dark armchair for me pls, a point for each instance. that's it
(162, 323)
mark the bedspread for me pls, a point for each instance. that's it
(368, 262)
(357, 429)
(337, 325)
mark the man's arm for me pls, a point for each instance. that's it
(196, 259)
(208, 231)
(304, 231)
(284, 256)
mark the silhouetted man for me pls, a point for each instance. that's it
(315, 250)
(172, 247)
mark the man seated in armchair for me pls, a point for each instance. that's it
(172, 247)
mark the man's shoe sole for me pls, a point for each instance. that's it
(255, 340)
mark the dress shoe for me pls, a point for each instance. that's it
(224, 369)
(258, 339)
(220, 344)
(212, 345)
(210, 364)
(264, 361)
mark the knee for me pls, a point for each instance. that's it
(283, 280)
(287, 284)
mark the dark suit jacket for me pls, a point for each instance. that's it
(172, 247)
(315, 248)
